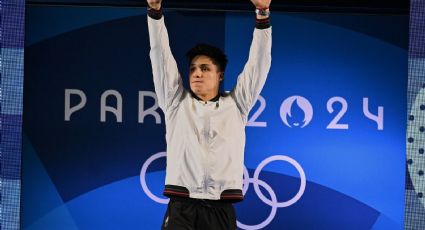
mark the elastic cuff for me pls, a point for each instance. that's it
(262, 23)
(155, 14)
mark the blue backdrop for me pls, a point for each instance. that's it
(325, 142)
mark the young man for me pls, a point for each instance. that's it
(205, 130)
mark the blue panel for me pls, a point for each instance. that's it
(43, 197)
(354, 176)
(11, 79)
(318, 61)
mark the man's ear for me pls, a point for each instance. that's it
(221, 76)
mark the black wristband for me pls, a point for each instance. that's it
(262, 23)
(155, 14)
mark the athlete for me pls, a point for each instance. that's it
(205, 129)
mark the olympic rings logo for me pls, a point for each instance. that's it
(273, 203)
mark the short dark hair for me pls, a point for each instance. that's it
(217, 56)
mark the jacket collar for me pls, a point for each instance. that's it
(216, 98)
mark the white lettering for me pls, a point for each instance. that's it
(253, 120)
(378, 119)
(70, 110)
(334, 123)
(152, 110)
(116, 111)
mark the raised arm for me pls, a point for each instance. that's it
(166, 77)
(251, 80)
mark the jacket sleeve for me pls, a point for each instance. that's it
(252, 79)
(166, 77)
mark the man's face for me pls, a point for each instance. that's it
(204, 77)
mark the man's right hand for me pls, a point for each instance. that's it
(154, 4)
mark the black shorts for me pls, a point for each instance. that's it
(193, 214)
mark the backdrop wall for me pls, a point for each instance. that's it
(326, 138)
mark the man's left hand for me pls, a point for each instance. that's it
(261, 4)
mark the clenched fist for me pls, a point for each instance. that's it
(154, 4)
(261, 4)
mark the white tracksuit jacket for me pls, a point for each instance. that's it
(206, 140)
